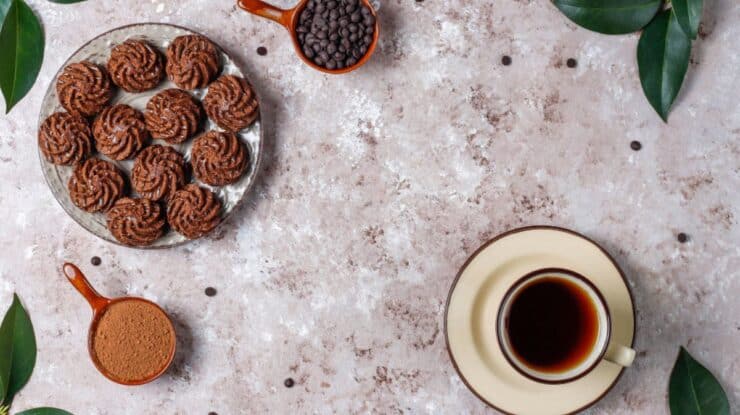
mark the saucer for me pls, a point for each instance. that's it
(472, 307)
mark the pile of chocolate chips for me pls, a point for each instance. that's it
(335, 33)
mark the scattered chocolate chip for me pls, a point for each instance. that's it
(262, 51)
(212, 413)
(289, 383)
(572, 63)
(636, 145)
(682, 237)
(95, 260)
(210, 291)
(506, 60)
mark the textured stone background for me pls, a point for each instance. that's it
(377, 186)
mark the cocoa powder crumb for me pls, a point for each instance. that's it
(133, 340)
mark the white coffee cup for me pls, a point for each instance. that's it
(602, 349)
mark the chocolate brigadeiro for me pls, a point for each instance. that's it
(193, 211)
(158, 172)
(218, 158)
(136, 66)
(95, 185)
(65, 138)
(120, 132)
(192, 61)
(84, 88)
(136, 222)
(335, 34)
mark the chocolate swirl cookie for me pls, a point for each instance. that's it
(158, 172)
(84, 88)
(95, 185)
(193, 211)
(218, 158)
(231, 103)
(120, 132)
(65, 138)
(173, 116)
(136, 66)
(192, 61)
(136, 222)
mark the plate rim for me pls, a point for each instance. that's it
(257, 165)
(509, 233)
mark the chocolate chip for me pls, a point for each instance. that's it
(506, 60)
(262, 51)
(682, 237)
(289, 383)
(210, 291)
(95, 260)
(572, 63)
(636, 145)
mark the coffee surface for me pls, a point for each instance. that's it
(552, 325)
(133, 340)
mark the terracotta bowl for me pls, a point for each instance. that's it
(289, 19)
(99, 305)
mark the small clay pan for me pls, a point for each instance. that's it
(289, 19)
(101, 306)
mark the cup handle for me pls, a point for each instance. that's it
(620, 355)
(77, 278)
(260, 8)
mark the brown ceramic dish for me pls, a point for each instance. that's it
(289, 19)
(99, 305)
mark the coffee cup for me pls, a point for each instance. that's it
(554, 326)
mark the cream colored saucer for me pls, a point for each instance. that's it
(472, 306)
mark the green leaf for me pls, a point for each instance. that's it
(44, 411)
(693, 390)
(610, 17)
(18, 349)
(6, 351)
(663, 57)
(24, 350)
(688, 13)
(21, 52)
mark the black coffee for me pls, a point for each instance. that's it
(553, 325)
(335, 34)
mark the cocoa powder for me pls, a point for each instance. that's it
(133, 341)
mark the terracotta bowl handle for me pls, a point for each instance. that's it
(77, 278)
(268, 11)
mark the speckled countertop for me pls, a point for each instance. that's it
(376, 187)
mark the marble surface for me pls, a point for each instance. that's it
(377, 186)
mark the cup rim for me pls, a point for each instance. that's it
(600, 298)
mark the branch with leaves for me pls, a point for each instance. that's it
(665, 44)
(18, 358)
